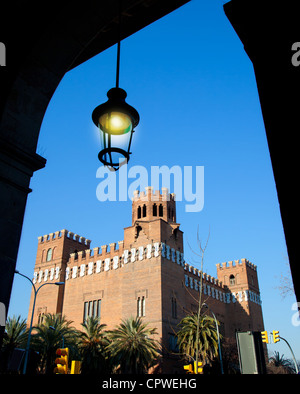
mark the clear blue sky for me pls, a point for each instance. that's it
(194, 88)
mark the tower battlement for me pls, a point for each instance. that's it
(235, 264)
(149, 195)
(101, 252)
(64, 233)
(206, 277)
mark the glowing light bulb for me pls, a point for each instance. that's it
(115, 123)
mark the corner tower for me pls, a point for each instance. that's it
(52, 255)
(240, 278)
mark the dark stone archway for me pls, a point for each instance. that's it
(46, 39)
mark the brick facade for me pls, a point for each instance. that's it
(143, 274)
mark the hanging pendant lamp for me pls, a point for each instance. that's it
(116, 121)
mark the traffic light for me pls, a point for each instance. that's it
(275, 336)
(264, 336)
(62, 361)
(188, 368)
(199, 369)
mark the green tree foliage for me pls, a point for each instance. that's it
(92, 342)
(49, 336)
(16, 333)
(15, 336)
(132, 346)
(207, 337)
(129, 348)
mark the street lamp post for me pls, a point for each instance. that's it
(32, 314)
(294, 359)
(219, 345)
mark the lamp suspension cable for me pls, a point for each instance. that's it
(119, 44)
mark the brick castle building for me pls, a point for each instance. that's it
(144, 275)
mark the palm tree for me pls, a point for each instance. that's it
(50, 335)
(92, 346)
(280, 364)
(132, 347)
(16, 335)
(207, 337)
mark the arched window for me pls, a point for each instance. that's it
(160, 211)
(40, 319)
(141, 306)
(139, 212)
(144, 211)
(49, 255)
(232, 280)
(154, 210)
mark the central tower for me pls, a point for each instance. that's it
(150, 206)
(153, 220)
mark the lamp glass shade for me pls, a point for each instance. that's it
(114, 148)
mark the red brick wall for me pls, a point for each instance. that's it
(162, 280)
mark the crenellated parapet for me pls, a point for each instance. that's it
(107, 258)
(205, 277)
(105, 251)
(64, 233)
(197, 280)
(236, 263)
(149, 195)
